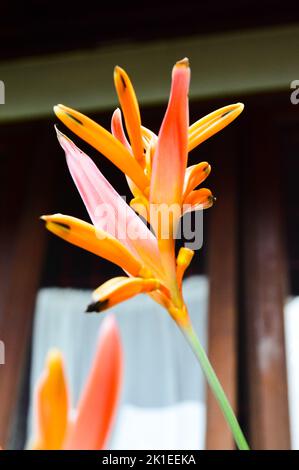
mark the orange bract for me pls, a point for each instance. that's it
(55, 428)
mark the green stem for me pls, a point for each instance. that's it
(216, 387)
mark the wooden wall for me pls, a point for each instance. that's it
(27, 175)
(245, 253)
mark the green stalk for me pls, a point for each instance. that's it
(215, 385)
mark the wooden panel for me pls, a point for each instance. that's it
(265, 288)
(222, 275)
(23, 266)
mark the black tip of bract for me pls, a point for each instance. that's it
(93, 307)
(74, 119)
(226, 113)
(96, 306)
(62, 225)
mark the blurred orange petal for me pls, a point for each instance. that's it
(99, 400)
(51, 405)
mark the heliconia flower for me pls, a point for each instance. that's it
(163, 189)
(89, 428)
(156, 170)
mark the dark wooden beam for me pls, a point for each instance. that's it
(265, 276)
(25, 261)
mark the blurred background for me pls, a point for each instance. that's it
(243, 286)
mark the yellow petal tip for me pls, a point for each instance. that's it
(185, 256)
(184, 62)
(54, 362)
(120, 79)
(57, 108)
(207, 169)
(54, 356)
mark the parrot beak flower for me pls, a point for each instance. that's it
(164, 188)
(90, 429)
(157, 173)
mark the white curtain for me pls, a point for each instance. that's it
(163, 396)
